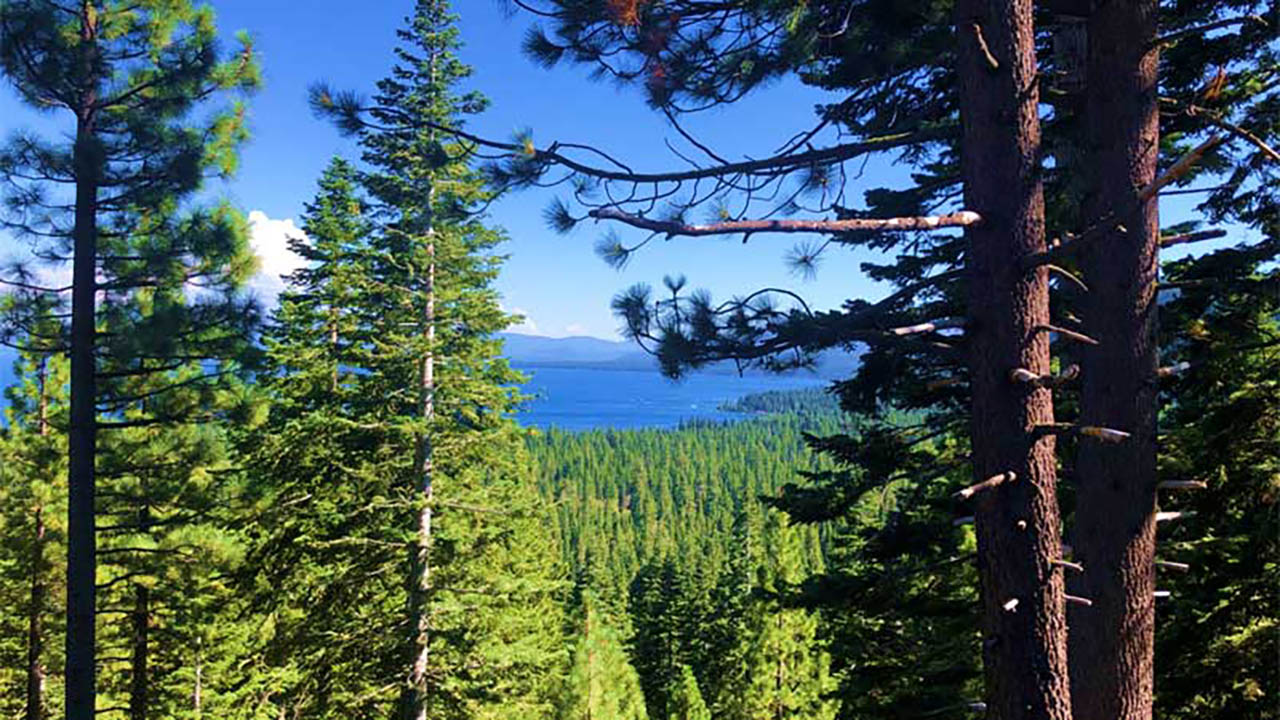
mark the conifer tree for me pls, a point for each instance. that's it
(111, 201)
(1219, 464)
(32, 531)
(387, 358)
(896, 65)
(686, 699)
(601, 684)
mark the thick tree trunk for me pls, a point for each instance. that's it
(35, 624)
(1114, 533)
(1017, 523)
(82, 438)
(139, 681)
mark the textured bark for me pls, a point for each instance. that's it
(1017, 523)
(82, 437)
(420, 594)
(1114, 533)
(139, 681)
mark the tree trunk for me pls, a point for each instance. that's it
(139, 681)
(1114, 533)
(333, 348)
(420, 591)
(39, 589)
(81, 440)
(35, 626)
(1017, 523)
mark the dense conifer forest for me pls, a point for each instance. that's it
(1048, 488)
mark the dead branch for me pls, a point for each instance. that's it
(1023, 375)
(1067, 333)
(989, 483)
(672, 228)
(1191, 237)
(1184, 165)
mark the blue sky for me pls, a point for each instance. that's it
(557, 281)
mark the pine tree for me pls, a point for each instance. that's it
(395, 439)
(686, 699)
(1218, 466)
(601, 684)
(895, 65)
(130, 76)
(785, 668)
(32, 530)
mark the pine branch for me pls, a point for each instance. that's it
(670, 228)
(552, 155)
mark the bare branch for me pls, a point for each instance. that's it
(1173, 37)
(1184, 238)
(989, 483)
(1183, 166)
(1067, 333)
(671, 228)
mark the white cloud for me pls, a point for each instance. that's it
(575, 329)
(270, 241)
(524, 327)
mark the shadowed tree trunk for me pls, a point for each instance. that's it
(139, 681)
(1017, 522)
(82, 438)
(1114, 534)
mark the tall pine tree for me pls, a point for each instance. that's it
(112, 201)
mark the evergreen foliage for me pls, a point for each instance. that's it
(1223, 431)
(384, 358)
(139, 81)
(340, 516)
(601, 684)
(686, 700)
(33, 537)
(667, 529)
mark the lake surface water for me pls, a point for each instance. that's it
(585, 398)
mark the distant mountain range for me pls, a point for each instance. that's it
(539, 351)
(532, 351)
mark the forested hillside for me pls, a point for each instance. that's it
(668, 541)
(1042, 486)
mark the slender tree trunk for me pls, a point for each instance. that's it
(39, 589)
(420, 596)
(1114, 536)
(35, 626)
(1024, 626)
(420, 592)
(81, 440)
(333, 348)
(139, 681)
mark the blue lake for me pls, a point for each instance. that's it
(585, 398)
